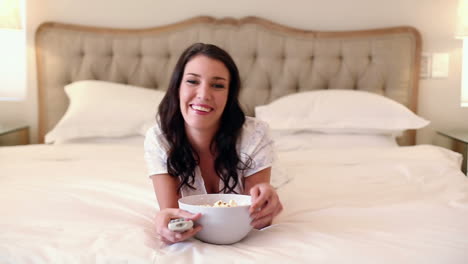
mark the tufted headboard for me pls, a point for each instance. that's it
(273, 60)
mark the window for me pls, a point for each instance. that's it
(12, 64)
(464, 74)
(12, 50)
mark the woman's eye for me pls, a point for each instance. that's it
(219, 86)
(192, 81)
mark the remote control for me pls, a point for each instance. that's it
(180, 225)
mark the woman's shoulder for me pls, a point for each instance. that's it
(253, 130)
(155, 136)
(253, 124)
(153, 130)
(255, 141)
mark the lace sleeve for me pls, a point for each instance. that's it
(155, 152)
(256, 146)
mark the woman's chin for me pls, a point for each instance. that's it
(206, 125)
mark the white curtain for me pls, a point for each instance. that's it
(10, 14)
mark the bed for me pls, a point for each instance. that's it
(341, 107)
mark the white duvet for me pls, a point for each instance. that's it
(92, 203)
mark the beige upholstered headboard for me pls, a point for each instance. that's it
(273, 60)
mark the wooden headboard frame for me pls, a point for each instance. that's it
(274, 60)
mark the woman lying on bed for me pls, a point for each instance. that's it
(203, 142)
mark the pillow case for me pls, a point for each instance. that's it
(306, 140)
(133, 140)
(105, 109)
(339, 111)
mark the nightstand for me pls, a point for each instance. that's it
(460, 139)
(11, 135)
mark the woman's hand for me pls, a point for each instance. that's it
(265, 205)
(162, 220)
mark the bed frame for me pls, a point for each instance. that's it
(274, 60)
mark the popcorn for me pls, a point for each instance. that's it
(220, 203)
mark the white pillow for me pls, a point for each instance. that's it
(305, 140)
(134, 140)
(105, 109)
(339, 111)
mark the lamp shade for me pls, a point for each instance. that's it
(10, 15)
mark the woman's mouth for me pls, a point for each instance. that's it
(201, 108)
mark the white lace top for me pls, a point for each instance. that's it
(255, 142)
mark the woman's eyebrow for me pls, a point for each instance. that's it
(214, 78)
(194, 74)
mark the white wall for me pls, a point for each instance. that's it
(435, 19)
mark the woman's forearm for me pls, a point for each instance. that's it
(165, 188)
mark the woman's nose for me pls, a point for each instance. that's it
(203, 91)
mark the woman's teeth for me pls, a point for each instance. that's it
(201, 108)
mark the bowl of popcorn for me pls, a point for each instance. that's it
(225, 217)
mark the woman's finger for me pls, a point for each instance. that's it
(262, 222)
(259, 201)
(165, 241)
(162, 220)
(270, 207)
(179, 213)
(279, 209)
(170, 237)
(254, 193)
(190, 233)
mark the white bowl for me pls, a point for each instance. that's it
(221, 225)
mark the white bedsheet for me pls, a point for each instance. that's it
(92, 203)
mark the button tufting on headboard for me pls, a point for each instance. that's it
(273, 60)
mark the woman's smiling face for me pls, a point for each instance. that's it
(203, 93)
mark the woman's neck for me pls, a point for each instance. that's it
(200, 140)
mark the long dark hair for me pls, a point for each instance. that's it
(182, 159)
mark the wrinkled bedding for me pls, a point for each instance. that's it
(92, 203)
